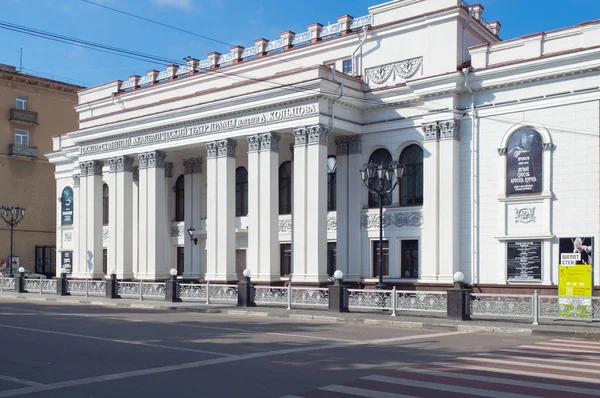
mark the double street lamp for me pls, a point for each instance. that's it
(381, 180)
(12, 215)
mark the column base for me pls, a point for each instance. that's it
(222, 278)
(310, 278)
(267, 278)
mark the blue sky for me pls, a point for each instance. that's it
(231, 21)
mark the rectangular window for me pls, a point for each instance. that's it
(386, 258)
(180, 260)
(22, 138)
(285, 263)
(22, 102)
(331, 257)
(410, 259)
(105, 261)
(347, 66)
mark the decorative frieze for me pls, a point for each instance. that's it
(211, 149)
(226, 148)
(192, 165)
(449, 129)
(317, 134)
(269, 142)
(401, 219)
(253, 143)
(76, 180)
(169, 169)
(397, 70)
(525, 215)
(120, 164)
(430, 131)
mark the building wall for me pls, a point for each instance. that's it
(29, 182)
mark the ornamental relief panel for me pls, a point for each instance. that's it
(401, 71)
(178, 230)
(392, 220)
(68, 237)
(525, 215)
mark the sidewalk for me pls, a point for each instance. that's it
(561, 328)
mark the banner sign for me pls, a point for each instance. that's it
(575, 277)
(66, 206)
(524, 162)
(67, 261)
(524, 261)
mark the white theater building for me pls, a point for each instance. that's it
(251, 159)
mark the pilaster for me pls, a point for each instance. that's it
(269, 209)
(430, 235)
(299, 210)
(78, 267)
(254, 198)
(193, 192)
(170, 209)
(91, 213)
(135, 221)
(121, 217)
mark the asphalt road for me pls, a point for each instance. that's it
(51, 350)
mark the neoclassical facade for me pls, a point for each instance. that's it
(252, 159)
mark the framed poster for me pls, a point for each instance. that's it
(524, 261)
(576, 250)
(67, 261)
(66, 206)
(524, 162)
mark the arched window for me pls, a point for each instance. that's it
(411, 184)
(380, 157)
(285, 188)
(180, 198)
(331, 183)
(105, 216)
(241, 192)
(524, 162)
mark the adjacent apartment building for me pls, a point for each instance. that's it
(32, 110)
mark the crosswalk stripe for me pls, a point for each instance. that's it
(552, 348)
(362, 392)
(551, 354)
(553, 360)
(497, 380)
(593, 349)
(519, 372)
(445, 387)
(529, 365)
(582, 342)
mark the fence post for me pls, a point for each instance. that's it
(86, 287)
(172, 288)
(289, 296)
(245, 296)
(535, 307)
(207, 292)
(394, 298)
(40, 285)
(1, 283)
(459, 299)
(141, 289)
(112, 286)
(338, 293)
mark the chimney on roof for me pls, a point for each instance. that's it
(476, 11)
(495, 26)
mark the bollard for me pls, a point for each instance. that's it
(207, 292)
(172, 288)
(289, 296)
(20, 281)
(246, 291)
(338, 294)
(536, 311)
(62, 284)
(394, 301)
(459, 299)
(112, 286)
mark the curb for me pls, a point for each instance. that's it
(465, 327)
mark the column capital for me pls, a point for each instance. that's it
(430, 131)
(253, 143)
(449, 129)
(76, 181)
(342, 146)
(300, 138)
(211, 149)
(91, 168)
(269, 142)
(152, 159)
(226, 148)
(192, 165)
(317, 134)
(120, 164)
(349, 145)
(169, 169)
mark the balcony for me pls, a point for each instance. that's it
(24, 117)
(25, 151)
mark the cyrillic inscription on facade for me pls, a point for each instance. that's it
(201, 129)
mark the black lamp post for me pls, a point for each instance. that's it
(381, 180)
(12, 215)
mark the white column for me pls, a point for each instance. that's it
(135, 230)
(348, 207)
(299, 210)
(93, 205)
(269, 209)
(429, 256)
(76, 261)
(153, 212)
(121, 216)
(254, 197)
(211, 211)
(193, 191)
(110, 180)
(449, 224)
(170, 195)
(226, 211)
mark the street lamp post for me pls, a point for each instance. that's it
(12, 215)
(381, 180)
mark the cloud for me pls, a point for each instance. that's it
(185, 5)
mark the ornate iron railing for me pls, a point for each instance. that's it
(129, 289)
(223, 292)
(7, 284)
(33, 285)
(192, 291)
(503, 305)
(270, 295)
(572, 308)
(307, 296)
(49, 285)
(154, 290)
(421, 301)
(369, 299)
(86, 287)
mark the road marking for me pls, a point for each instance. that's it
(116, 340)
(497, 380)
(580, 342)
(362, 392)
(528, 364)
(20, 381)
(552, 347)
(527, 358)
(550, 354)
(444, 387)
(216, 361)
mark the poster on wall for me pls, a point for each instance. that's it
(524, 162)
(66, 206)
(524, 261)
(67, 261)
(575, 277)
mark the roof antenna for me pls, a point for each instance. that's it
(21, 61)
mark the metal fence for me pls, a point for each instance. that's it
(86, 287)
(398, 300)
(142, 290)
(292, 296)
(7, 284)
